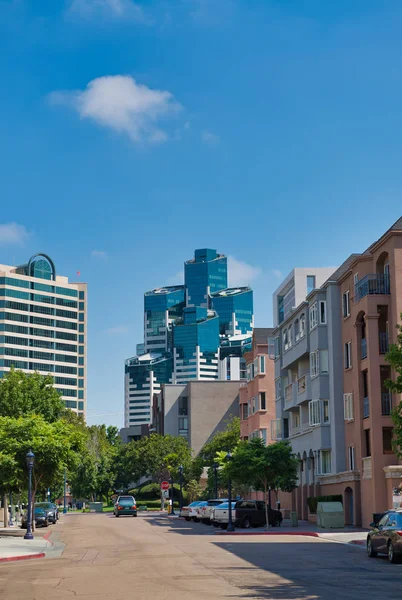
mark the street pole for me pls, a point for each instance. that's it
(181, 488)
(11, 510)
(172, 513)
(65, 492)
(215, 468)
(230, 527)
(30, 457)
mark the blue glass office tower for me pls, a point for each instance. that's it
(206, 273)
(235, 309)
(162, 307)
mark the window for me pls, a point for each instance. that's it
(302, 325)
(183, 406)
(262, 364)
(81, 318)
(387, 440)
(255, 404)
(325, 411)
(244, 412)
(80, 406)
(263, 401)
(81, 339)
(314, 364)
(295, 416)
(81, 306)
(296, 327)
(285, 339)
(352, 458)
(367, 442)
(81, 360)
(278, 388)
(310, 283)
(325, 461)
(290, 336)
(80, 372)
(324, 361)
(81, 394)
(276, 430)
(81, 350)
(264, 436)
(82, 295)
(314, 412)
(348, 355)
(81, 383)
(323, 312)
(313, 316)
(348, 407)
(346, 304)
(81, 327)
(356, 278)
(277, 347)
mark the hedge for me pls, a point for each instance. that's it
(152, 491)
(312, 502)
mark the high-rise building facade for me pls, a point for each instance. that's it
(196, 331)
(43, 326)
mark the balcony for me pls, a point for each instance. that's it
(366, 408)
(301, 385)
(370, 285)
(363, 348)
(384, 343)
(386, 403)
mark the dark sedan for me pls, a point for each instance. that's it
(40, 516)
(51, 510)
(386, 536)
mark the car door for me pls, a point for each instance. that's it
(391, 527)
(379, 539)
(260, 516)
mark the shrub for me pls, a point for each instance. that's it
(312, 502)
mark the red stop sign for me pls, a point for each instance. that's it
(164, 485)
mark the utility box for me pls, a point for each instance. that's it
(330, 515)
(293, 519)
(96, 507)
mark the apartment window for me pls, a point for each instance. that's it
(323, 312)
(264, 436)
(290, 337)
(295, 420)
(313, 316)
(346, 304)
(356, 278)
(324, 361)
(302, 325)
(310, 283)
(297, 329)
(278, 388)
(348, 355)
(348, 407)
(252, 370)
(325, 462)
(244, 412)
(367, 442)
(387, 440)
(314, 364)
(325, 411)
(314, 412)
(272, 348)
(352, 458)
(276, 429)
(285, 339)
(262, 365)
(183, 406)
(277, 347)
(263, 405)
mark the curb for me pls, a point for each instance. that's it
(23, 557)
(301, 533)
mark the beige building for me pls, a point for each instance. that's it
(43, 326)
(196, 410)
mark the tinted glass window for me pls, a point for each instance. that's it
(383, 520)
(214, 502)
(260, 505)
(126, 501)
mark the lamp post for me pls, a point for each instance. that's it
(30, 458)
(65, 492)
(215, 468)
(181, 488)
(172, 488)
(230, 527)
(11, 510)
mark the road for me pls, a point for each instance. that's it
(158, 558)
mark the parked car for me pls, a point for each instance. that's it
(188, 511)
(125, 505)
(51, 511)
(251, 513)
(40, 516)
(207, 510)
(196, 511)
(386, 536)
(56, 509)
(220, 514)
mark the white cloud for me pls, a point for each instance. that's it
(177, 279)
(117, 9)
(119, 329)
(13, 234)
(240, 273)
(209, 138)
(99, 254)
(120, 103)
(278, 274)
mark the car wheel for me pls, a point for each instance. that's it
(277, 522)
(392, 557)
(224, 525)
(370, 550)
(117, 515)
(246, 523)
(187, 518)
(215, 524)
(196, 520)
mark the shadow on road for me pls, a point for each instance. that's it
(314, 570)
(177, 525)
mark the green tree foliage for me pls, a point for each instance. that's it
(394, 358)
(223, 441)
(33, 394)
(194, 490)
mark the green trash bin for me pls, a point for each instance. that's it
(293, 519)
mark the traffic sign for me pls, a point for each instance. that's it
(164, 485)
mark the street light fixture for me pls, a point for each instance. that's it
(215, 467)
(30, 458)
(181, 488)
(229, 458)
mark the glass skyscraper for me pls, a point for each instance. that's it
(196, 331)
(43, 326)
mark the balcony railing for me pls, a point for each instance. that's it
(288, 392)
(366, 408)
(295, 431)
(371, 284)
(363, 352)
(386, 404)
(301, 385)
(384, 344)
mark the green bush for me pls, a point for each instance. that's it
(152, 491)
(312, 502)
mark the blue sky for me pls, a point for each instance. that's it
(132, 133)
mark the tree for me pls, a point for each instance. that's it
(23, 394)
(263, 467)
(394, 358)
(223, 441)
(194, 490)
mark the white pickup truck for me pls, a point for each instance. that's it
(206, 510)
(220, 515)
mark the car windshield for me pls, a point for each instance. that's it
(195, 503)
(214, 502)
(43, 505)
(225, 505)
(39, 510)
(126, 501)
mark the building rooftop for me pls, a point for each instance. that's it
(231, 291)
(169, 289)
(261, 334)
(149, 358)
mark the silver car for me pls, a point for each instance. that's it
(220, 515)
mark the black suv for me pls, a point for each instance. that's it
(251, 513)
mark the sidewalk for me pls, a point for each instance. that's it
(16, 548)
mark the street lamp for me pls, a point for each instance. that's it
(30, 458)
(230, 527)
(215, 467)
(65, 492)
(172, 513)
(181, 487)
